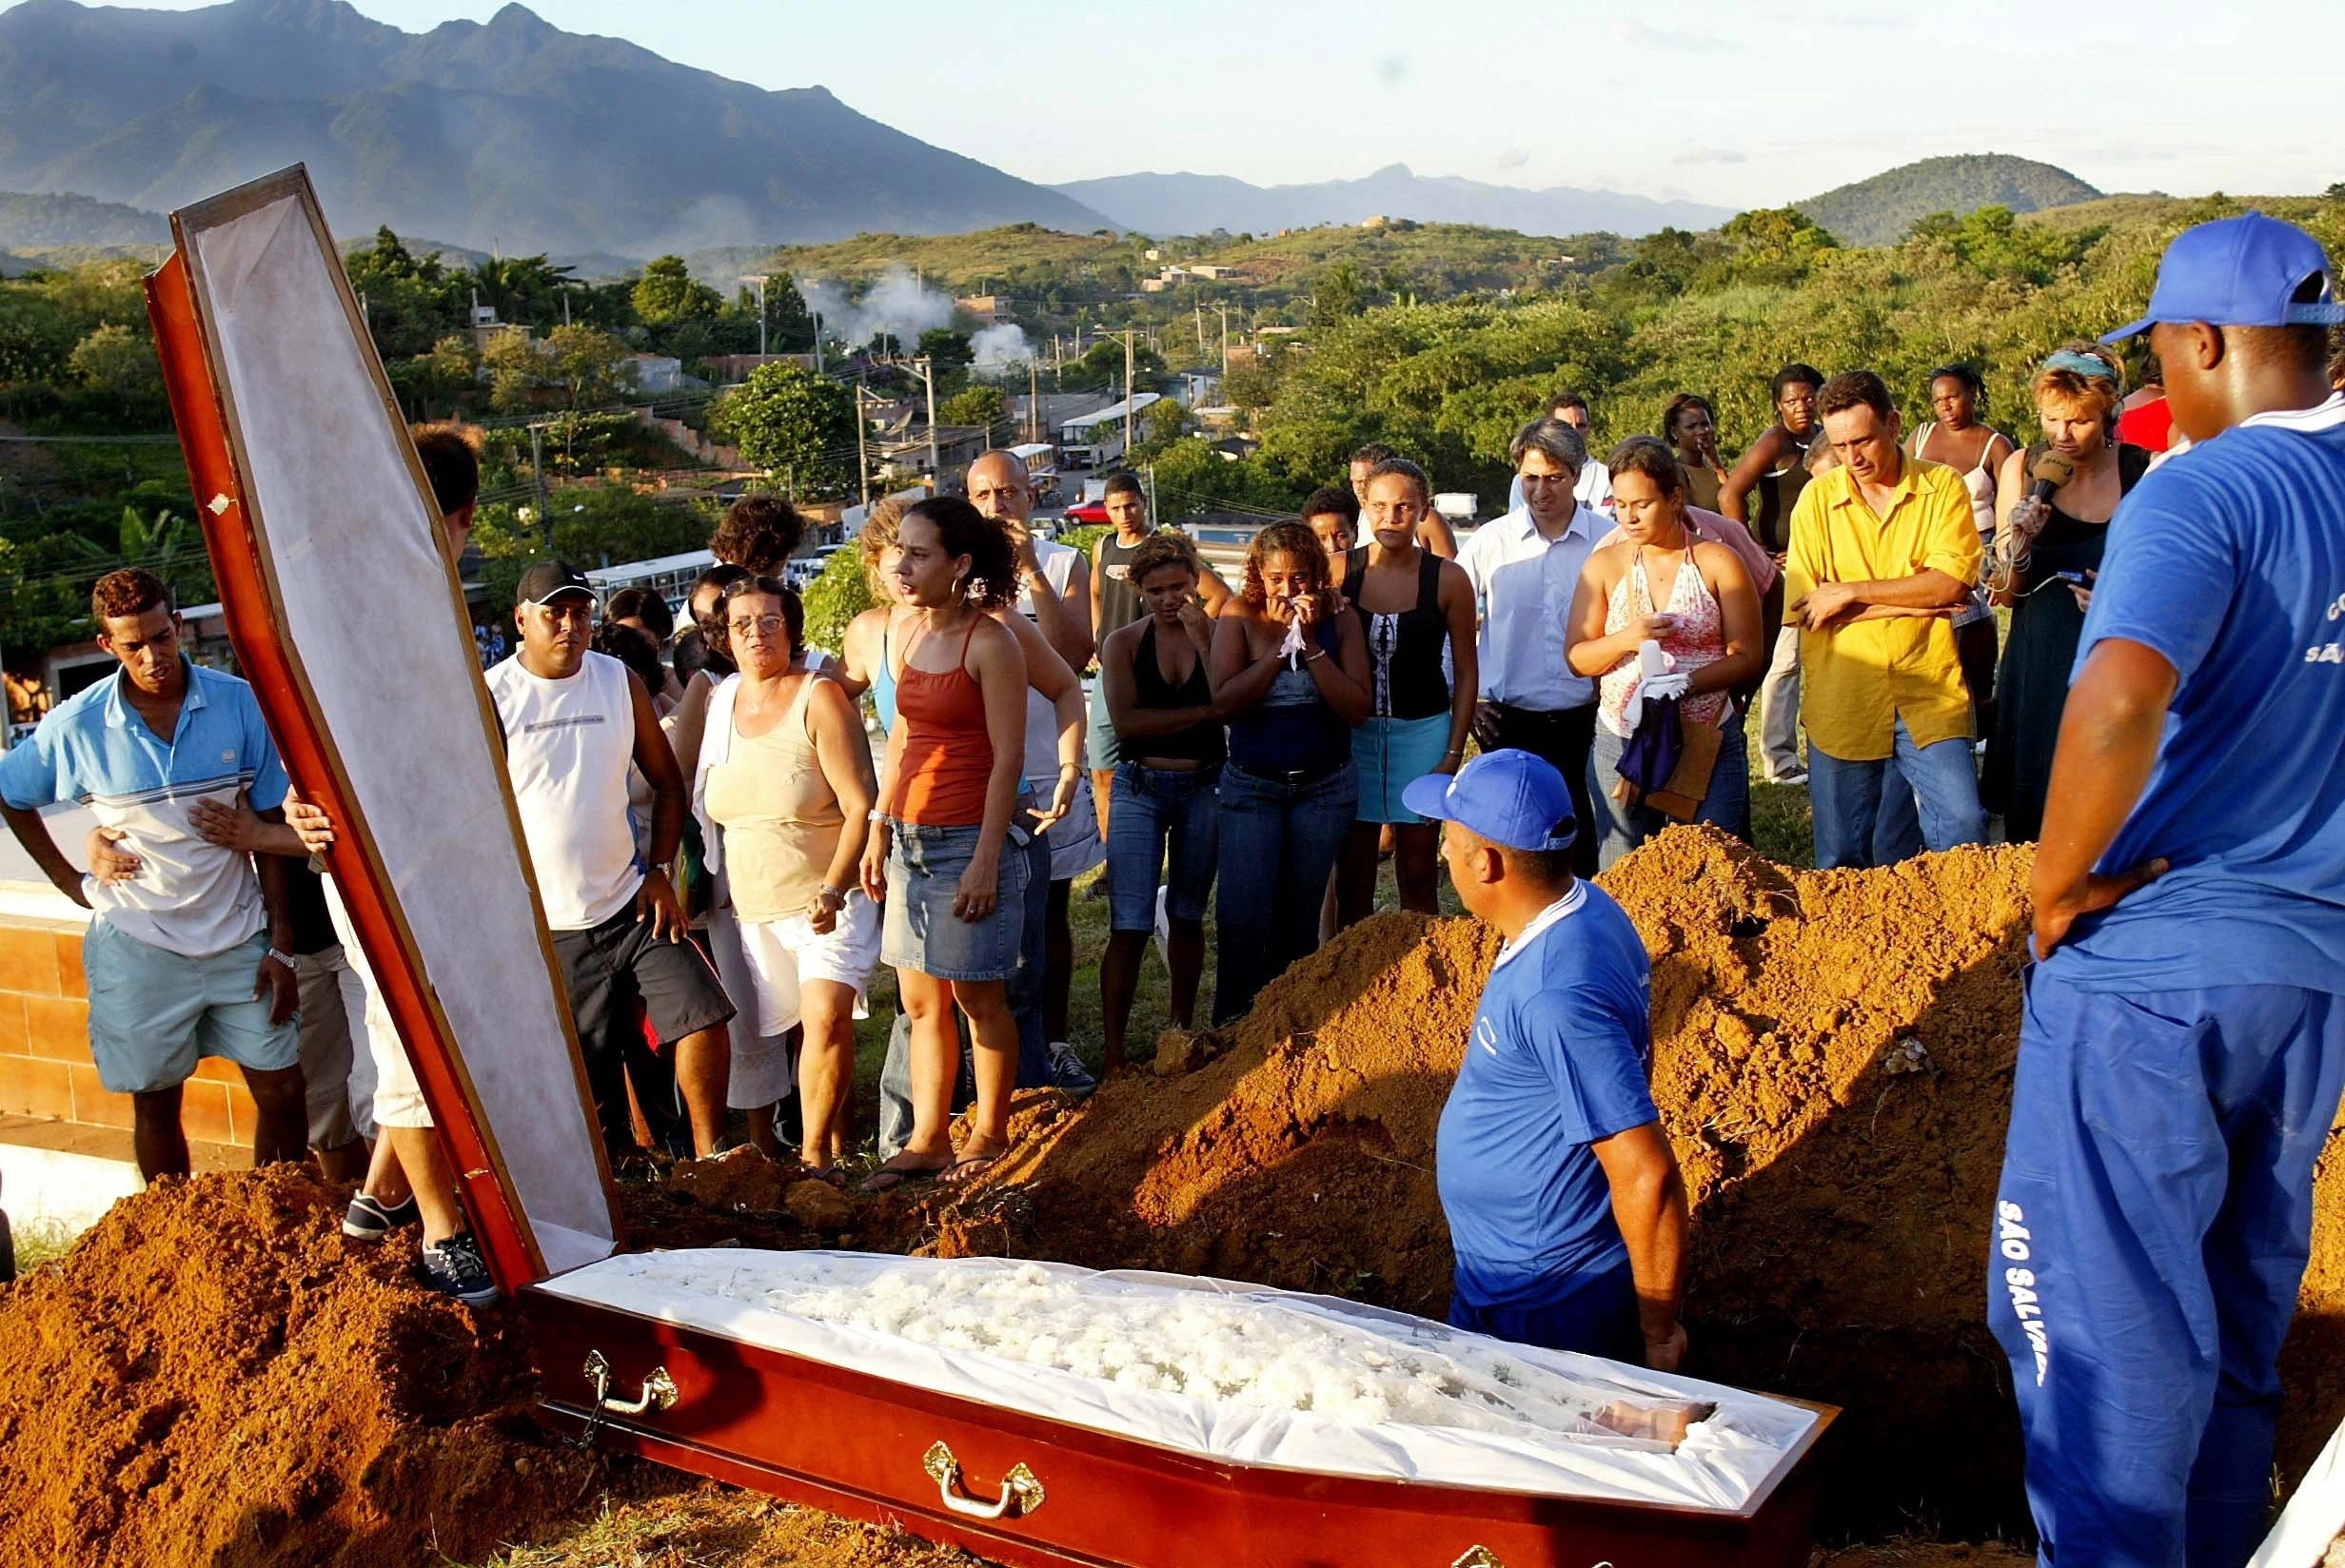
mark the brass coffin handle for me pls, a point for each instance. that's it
(658, 1389)
(1020, 1490)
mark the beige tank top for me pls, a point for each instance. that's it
(780, 818)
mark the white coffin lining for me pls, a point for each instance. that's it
(1720, 1466)
(368, 610)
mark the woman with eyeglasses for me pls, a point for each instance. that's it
(784, 793)
(2046, 555)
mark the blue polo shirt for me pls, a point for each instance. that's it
(1558, 1061)
(190, 896)
(2229, 560)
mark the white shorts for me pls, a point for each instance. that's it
(1075, 845)
(398, 1098)
(763, 1067)
(783, 955)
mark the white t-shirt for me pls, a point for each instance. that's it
(568, 745)
(1041, 718)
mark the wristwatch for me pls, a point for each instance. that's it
(285, 958)
(833, 899)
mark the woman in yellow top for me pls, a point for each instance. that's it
(784, 790)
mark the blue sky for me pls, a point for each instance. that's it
(1743, 105)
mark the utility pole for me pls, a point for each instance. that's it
(1200, 327)
(936, 469)
(1225, 338)
(1128, 390)
(810, 305)
(1033, 399)
(537, 482)
(862, 422)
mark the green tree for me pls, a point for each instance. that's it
(115, 361)
(668, 294)
(522, 289)
(442, 378)
(1341, 292)
(1161, 424)
(592, 369)
(947, 350)
(982, 406)
(119, 369)
(518, 367)
(791, 423)
(1191, 477)
(156, 544)
(837, 594)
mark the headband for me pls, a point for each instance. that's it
(2079, 364)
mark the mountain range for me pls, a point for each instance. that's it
(514, 135)
(1198, 204)
(508, 133)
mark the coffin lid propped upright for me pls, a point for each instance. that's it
(348, 620)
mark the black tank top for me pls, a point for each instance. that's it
(1404, 649)
(1119, 596)
(1778, 493)
(1199, 742)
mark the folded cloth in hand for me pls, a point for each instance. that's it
(1665, 683)
(1650, 756)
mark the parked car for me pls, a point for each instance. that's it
(1089, 512)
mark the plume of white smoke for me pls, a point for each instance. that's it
(896, 304)
(1000, 347)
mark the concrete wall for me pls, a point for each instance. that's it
(45, 1066)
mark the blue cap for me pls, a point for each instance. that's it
(2240, 272)
(1510, 798)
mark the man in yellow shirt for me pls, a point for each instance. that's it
(1884, 549)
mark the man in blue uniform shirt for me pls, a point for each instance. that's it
(2184, 1041)
(1566, 1208)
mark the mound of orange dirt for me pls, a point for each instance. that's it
(214, 1375)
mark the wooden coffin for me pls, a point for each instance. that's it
(348, 620)
(1028, 1490)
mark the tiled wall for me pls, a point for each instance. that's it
(45, 1066)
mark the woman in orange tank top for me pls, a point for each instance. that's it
(954, 901)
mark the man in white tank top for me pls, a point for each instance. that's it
(574, 721)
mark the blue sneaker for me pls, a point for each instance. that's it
(1068, 1073)
(370, 1218)
(455, 1268)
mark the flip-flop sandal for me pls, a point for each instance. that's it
(965, 1170)
(827, 1175)
(887, 1180)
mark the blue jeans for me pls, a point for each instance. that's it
(1620, 828)
(1153, 810)
(2150, 1233)
(1857, 812)
(1279, 845)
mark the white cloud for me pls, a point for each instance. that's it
(1638, 35)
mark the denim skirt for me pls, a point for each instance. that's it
(921, 933)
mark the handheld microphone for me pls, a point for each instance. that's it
(2051, 472)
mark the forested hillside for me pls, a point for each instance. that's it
(1880, 210)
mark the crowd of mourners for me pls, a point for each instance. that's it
(724, 863)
